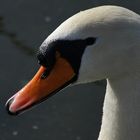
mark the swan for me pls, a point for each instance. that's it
(95, 44)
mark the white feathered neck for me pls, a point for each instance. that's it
(121, 111)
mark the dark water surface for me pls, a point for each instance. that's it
(75, 113)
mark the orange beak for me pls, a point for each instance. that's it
(39, 89)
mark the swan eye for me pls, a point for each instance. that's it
(41, 59)
(90, 40)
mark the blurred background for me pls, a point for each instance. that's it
(72, 114)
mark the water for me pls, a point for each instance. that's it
(75, 113)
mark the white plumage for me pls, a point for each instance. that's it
(115, 57)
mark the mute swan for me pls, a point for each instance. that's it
(99, 43)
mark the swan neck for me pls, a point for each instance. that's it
(121, 111)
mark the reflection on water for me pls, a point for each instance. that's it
(14, 39)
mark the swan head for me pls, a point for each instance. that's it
(91, 45)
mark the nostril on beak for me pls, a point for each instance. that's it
(47, 60)
(45, 74)
(9, 102)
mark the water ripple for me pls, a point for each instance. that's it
(14, 39)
